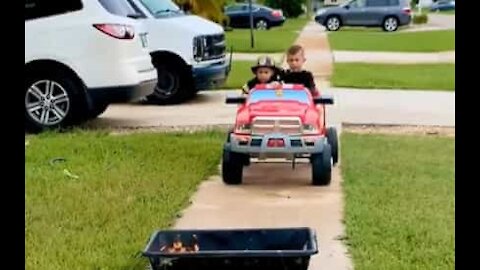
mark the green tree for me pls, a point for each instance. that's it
(208, 9)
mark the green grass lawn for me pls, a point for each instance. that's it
(361, 39)
(241, 72)
(400, 201)
(127, 187)
(390, 76)
(277, 39)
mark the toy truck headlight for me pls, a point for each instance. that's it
(309, 129)
(243, 129)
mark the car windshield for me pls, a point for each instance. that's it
(282, 95)
(161, 8)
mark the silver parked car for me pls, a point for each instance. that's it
(388, 14)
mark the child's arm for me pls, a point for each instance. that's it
(248, 85)
(245, 89)
(277, 78)
(312, 87)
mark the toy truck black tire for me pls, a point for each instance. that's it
(322, 167)
(232, 167)
(245, 158)
(332, 139)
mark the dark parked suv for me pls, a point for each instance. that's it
(388, 14)
(263, 17)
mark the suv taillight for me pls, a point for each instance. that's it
(119, 31)
(407, 10)
(277, 13)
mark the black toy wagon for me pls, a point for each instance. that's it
(232, 249)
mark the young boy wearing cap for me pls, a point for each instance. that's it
(265, 72)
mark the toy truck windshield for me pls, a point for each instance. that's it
(279, 95)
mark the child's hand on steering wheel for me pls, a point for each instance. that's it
(275, 84)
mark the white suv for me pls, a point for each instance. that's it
(80, 56)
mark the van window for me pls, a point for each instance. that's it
(161, 8)
(43, 8)
(118, 7)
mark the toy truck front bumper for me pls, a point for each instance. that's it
(257, 145)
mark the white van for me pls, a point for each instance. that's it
(80, 56)
(187, 51)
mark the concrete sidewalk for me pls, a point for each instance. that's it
(274, 195)
(357, 56)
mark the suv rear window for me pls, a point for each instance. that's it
(118, 7)
(43, 8)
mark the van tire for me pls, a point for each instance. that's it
(174, 84)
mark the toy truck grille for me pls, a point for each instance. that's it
(284, 125)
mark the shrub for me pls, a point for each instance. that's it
(420, 18)
(290, 8)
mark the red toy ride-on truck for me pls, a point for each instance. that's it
(281, 122)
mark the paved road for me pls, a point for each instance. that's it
(352, 106)
(435, 22)
(441, 20)
(408, 107)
